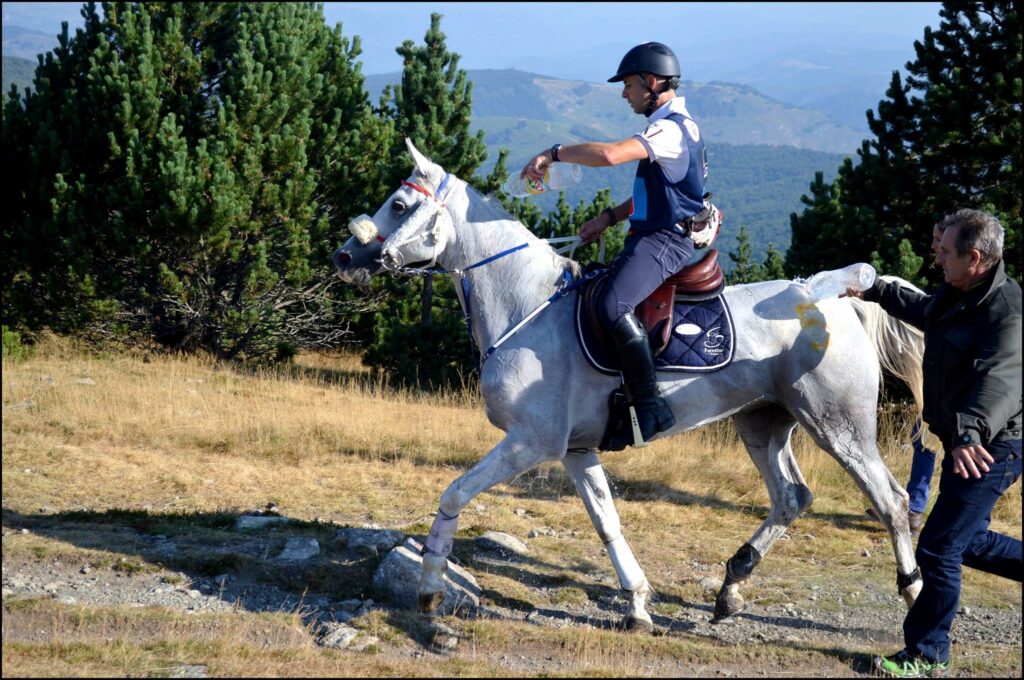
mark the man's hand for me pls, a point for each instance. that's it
(592, 229)
(853, 292)
(537, 166)
(969, 459)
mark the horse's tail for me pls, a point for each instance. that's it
(899, 346)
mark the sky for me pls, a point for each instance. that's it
(531, 35)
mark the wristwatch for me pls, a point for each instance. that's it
(554, 152)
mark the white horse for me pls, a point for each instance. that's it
(795, 362)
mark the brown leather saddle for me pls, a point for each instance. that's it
(697, 281)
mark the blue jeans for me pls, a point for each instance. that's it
(645, 262)
(921, 470)
(956, 534)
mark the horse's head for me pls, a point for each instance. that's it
(420, 226)
(415, 201)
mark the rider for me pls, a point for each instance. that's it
(667, 192)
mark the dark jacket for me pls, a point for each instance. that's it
(972, 355)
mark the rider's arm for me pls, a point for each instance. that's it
(591, 154)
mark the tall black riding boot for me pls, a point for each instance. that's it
(652, 411)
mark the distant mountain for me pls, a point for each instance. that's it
(18, 71)
(26, 42)
(762, 154)
(578, 110)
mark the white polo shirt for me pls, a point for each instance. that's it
(664, 142)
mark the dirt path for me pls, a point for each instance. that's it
(825, 631)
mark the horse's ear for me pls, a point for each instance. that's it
(424, 166)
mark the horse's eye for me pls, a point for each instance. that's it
(398, 207)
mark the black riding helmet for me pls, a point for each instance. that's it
(650, 57)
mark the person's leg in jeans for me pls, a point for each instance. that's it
(957, 533)
(921, 469)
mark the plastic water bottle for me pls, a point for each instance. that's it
(833, 283)
(558, 176)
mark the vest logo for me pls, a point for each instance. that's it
(691, 127)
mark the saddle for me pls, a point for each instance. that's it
(699, 280)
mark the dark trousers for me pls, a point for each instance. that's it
(956, 534)
(645, 262)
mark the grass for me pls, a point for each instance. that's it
(179, 446)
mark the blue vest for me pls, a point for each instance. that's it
(659, 203)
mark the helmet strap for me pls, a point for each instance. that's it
(652, 96)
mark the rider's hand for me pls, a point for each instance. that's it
(537, 166)
(592, 229)
(969, 459)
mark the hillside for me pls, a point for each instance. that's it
(762, 154)
(17, 71)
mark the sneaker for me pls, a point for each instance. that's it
(916, 520)
(902, 665)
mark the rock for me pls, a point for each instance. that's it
(194, 594)
(865, 552)
(350, 605)
(373, 541)
(8, 592)
(85, 381)
(520, 511)
(399, 574)
(336, 635)
(965, 610)
(51, 587)
(85, 569)
(188, 671)
(362, 642)
(258, 521)
(503, 542)
(66, 600)
(299, 549)
(480, 507)
(541, 531)
(710, 583)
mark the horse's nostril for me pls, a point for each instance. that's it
(342, 258)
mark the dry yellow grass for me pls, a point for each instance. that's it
(326, 439)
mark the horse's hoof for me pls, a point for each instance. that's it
(727, 605)
(430, 601)
(636, 624)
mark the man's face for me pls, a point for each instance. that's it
(958, 269)
(936, 240)
(635, 93)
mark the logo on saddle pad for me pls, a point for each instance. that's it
(713, 342)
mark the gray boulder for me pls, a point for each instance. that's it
(373, 541)
(399, 574)
(502, 542)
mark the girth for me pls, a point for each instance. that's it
(697, 281)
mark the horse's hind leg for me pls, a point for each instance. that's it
(591, 483)
(855, 449)
(522, 448)
(766, 433)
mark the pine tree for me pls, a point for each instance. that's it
(773, 267)
(180, 177)
(947, 136)
(745, 269)
(421, 337)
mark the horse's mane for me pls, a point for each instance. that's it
(500, 211)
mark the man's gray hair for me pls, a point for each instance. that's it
(978, 230)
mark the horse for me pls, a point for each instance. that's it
(796, 361)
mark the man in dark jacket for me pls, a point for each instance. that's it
(972, 402)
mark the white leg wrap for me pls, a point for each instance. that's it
(631, 576)
(442, 534)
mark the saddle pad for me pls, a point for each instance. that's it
(702, 339)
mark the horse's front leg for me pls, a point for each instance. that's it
(591, 483)
(522, 448)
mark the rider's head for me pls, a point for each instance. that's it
(647, 71)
